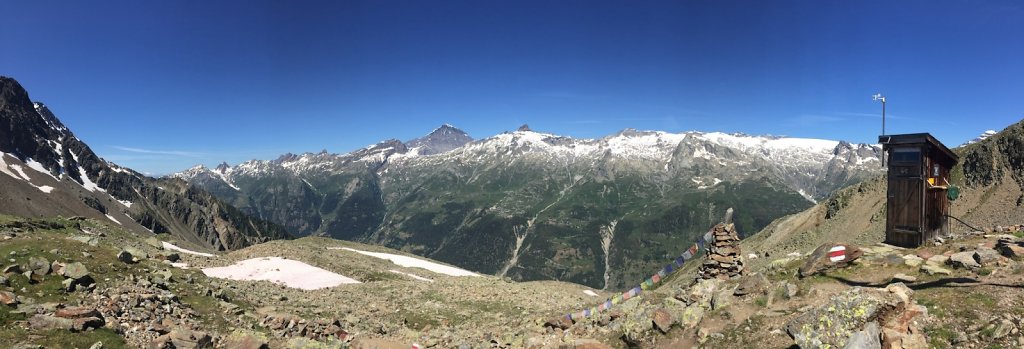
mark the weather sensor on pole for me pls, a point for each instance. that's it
(880, 97)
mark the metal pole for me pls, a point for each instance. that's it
(883, 130)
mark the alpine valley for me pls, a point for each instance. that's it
(530, 205)
(100, 256)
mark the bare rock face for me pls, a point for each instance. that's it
(857, 317)
(829, 255)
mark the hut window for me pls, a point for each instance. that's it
(935, 170)
(906, 155)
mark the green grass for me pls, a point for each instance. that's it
(761, 301)
(62, 338)
(940, 337)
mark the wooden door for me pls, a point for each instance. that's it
(905, 199)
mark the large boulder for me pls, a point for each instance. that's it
(663, 320)
(965, 260)
(829, 255)
(856, 315)
(76, 271)
(39, 266)
(987, 256)
(131, 255)
(47, 322)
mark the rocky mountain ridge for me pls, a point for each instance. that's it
(48, 171)
(535, 205)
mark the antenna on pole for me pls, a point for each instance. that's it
(880, 97)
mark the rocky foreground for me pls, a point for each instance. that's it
(78, 283)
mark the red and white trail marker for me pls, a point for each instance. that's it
(837, 254)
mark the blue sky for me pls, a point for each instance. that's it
(162, 85)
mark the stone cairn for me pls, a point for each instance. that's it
(723, 259)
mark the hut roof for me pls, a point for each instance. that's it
(945, 156)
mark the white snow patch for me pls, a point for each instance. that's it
(35, 165)
(702, 153)
(410, 262)
(87, 183)
(126, 203)
(590, 293)
(6, 169)
(172, 247)
(46, 189)
(179, 265)
(21, 172)
(113, 219)
(808, 197)
(287, 272)
(414, 276)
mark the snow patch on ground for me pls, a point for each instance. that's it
(35, 165)
(113, 219)
(414, 276)
(287, 272)
(21, 173)
(87, 183)
(46, 189)
(172, 247)
(126, 203)
(179, 265)
(590, 293)
(6, 169)
(410, 262)
(806, 196)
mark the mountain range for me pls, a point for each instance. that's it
(47, 171)
(532, 205)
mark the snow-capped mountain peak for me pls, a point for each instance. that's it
(981, 137)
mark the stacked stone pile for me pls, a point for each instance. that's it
(723, 259)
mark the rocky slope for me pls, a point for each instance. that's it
(73, 283)
(532, 205)
(47, 171)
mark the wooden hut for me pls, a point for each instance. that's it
(917, 204)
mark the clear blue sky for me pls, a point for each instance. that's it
(161, 85)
